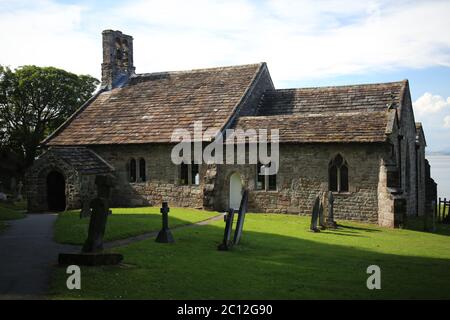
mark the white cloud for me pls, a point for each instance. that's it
(45, 33)
(447, 122)
(300, 39)
(429, 103)
(434, 113)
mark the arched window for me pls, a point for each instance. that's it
(338, 174)
(142, 174)
(132, 170)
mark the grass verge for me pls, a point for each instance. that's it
(278, 258)
(124, 222)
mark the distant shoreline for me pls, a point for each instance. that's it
(439, 153)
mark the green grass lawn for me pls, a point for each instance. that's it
(278, 258)
(10, 211)
(124, 222)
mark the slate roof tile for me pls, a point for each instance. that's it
(339, 127)
(151, 106)
(82, 159)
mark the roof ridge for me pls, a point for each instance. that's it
(150, 74)
(340, 86)
(312, 115)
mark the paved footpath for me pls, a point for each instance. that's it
(27, 256)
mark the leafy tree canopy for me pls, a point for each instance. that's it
(34, 101)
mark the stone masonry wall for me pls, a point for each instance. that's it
(36, 183)
(162, 177)
(304, 173)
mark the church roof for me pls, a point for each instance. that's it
(329, 127)
(355, 113)
(151, 106)
(352, 98)
(82, 159)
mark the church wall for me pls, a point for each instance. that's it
(303, 174)
(163, 177)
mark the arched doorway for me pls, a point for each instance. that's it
(235, 191)
(56, 191)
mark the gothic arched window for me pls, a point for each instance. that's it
(338, 174)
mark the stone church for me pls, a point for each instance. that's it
(359, 141)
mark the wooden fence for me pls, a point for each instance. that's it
(443, 210)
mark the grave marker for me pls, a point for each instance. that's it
(315, 215)
(92, 250)
(165, 235)
(330, 219)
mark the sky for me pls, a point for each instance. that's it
(304, 42)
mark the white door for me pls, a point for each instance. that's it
(235, 191)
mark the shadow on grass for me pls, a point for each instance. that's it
(358, 228)
(418, 224)
(265, 265)
(70, 229)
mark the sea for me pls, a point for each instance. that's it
(440, 172)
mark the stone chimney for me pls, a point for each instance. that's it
(117, 64)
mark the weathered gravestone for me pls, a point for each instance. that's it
(241, 218)
(99, 214)
(165, 236)
(315, 215)
(92, 250)
(330, 219)
(227, 242)
(321, 212)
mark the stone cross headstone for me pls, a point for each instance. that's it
(241, 218)
(165, 235)
(315, 215)
(330, 219)
(99, 214)
(227, 242)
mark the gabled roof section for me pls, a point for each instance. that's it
(151, 106)
(354, 113)
(352, 98)
(82, 159)
(322, 128)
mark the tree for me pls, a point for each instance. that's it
(34, 101)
